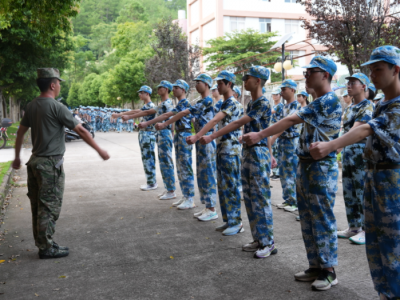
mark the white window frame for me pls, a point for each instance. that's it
(237, 23)
(265, 25)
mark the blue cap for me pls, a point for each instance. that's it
(323, 63)
(372, 87)
(227, 76)
(205, 78)
(345, 93)
(237, 90)
(166, 84)
(258, 72)
(215, 86)
(304, 93)
(389, 54)
(182, 84)
(146, 89)
(263, 90)
(276, 91)
(379, 96)
(289, 83)
(360, 76)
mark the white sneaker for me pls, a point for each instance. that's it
(241, 188)
(179, 202)
(208, 215)
(291, 208)
(265, 252)
(187, 204)
(348, 233)
(282, 205)
(251, 247)
(148, 187)
(359, 238)
(168, 196)
(198, 214)
(221, 227)
(162, 194)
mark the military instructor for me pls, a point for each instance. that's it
(46, 117)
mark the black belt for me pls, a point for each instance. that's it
(245, 146)
(382, 166)
(51, 156)
(184, 130)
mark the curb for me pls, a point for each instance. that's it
(5, 186)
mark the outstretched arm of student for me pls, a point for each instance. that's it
(230, 127)
(319, 150)
(177, 117)
(194, 138)
(139, 114)
(254, 137)
(156, 120)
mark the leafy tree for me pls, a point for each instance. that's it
(174, 57)
(100, 39)
(131, 36)
(89, 92)
(73, 95)
(126, 78)
(351, 29)
(133, 12)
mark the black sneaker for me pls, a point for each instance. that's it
(60, 247)
(52, 252)
(308, 275)
(275, 177)
(325, 281)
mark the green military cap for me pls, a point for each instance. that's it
(49, 73)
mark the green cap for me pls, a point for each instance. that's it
(49, 73)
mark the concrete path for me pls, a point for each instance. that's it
(127, 244)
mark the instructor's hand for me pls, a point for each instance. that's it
(16, 163)
(103, 154)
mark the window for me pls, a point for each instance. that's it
(265, 25)
(237, 23)
(292, 26)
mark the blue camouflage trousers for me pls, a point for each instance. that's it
(183, 158)
(119, 127)
(256, 168)
(106, 125)
(93, 124)
(287, 168)
(147, 142)
(316, 188)
(164, 143)
(275, 153)
(382, 229)
(228, 175)
(130, 128)
(206, 166)
(353, 183)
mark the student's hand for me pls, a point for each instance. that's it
(241, 139)
(251, 138)
(125, 117)
(191, 139)
(103, 154)
(339, 150)
(319, 150)
(206, 140)
(142, 125)
(160, 126)
(273, 162)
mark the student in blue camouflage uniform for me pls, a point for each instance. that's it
(382, 180)
(237, 93)
(256, 164)
(371, 91)
(130, 125)
(276, 109)
(228, 155)
(302, 98)
(203, 112)
(119, 122)
(183, 151)
(316, 180)
(92, 118)
(287, 144)
(358, 113)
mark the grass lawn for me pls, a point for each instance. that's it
(12, 134)
(4, 167)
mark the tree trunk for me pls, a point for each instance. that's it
(1, 106)
(10, 108)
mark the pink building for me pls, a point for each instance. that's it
(182, 21)
(208, 19)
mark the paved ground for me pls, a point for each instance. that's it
(9, 154)
(126, 244)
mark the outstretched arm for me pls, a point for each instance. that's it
(194, 138)
(319, 150)
(230, 127)
(254, 137)
(139, 114)
(156, 120)
(178, 116)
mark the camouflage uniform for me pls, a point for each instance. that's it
(228, 164)
(164, 143)
(316, 183)
(256, 168)
(203, 112)
(183, 151)
(277, 108)
(354, 164)
(147, 142)
(287, 145)
(217, 109)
